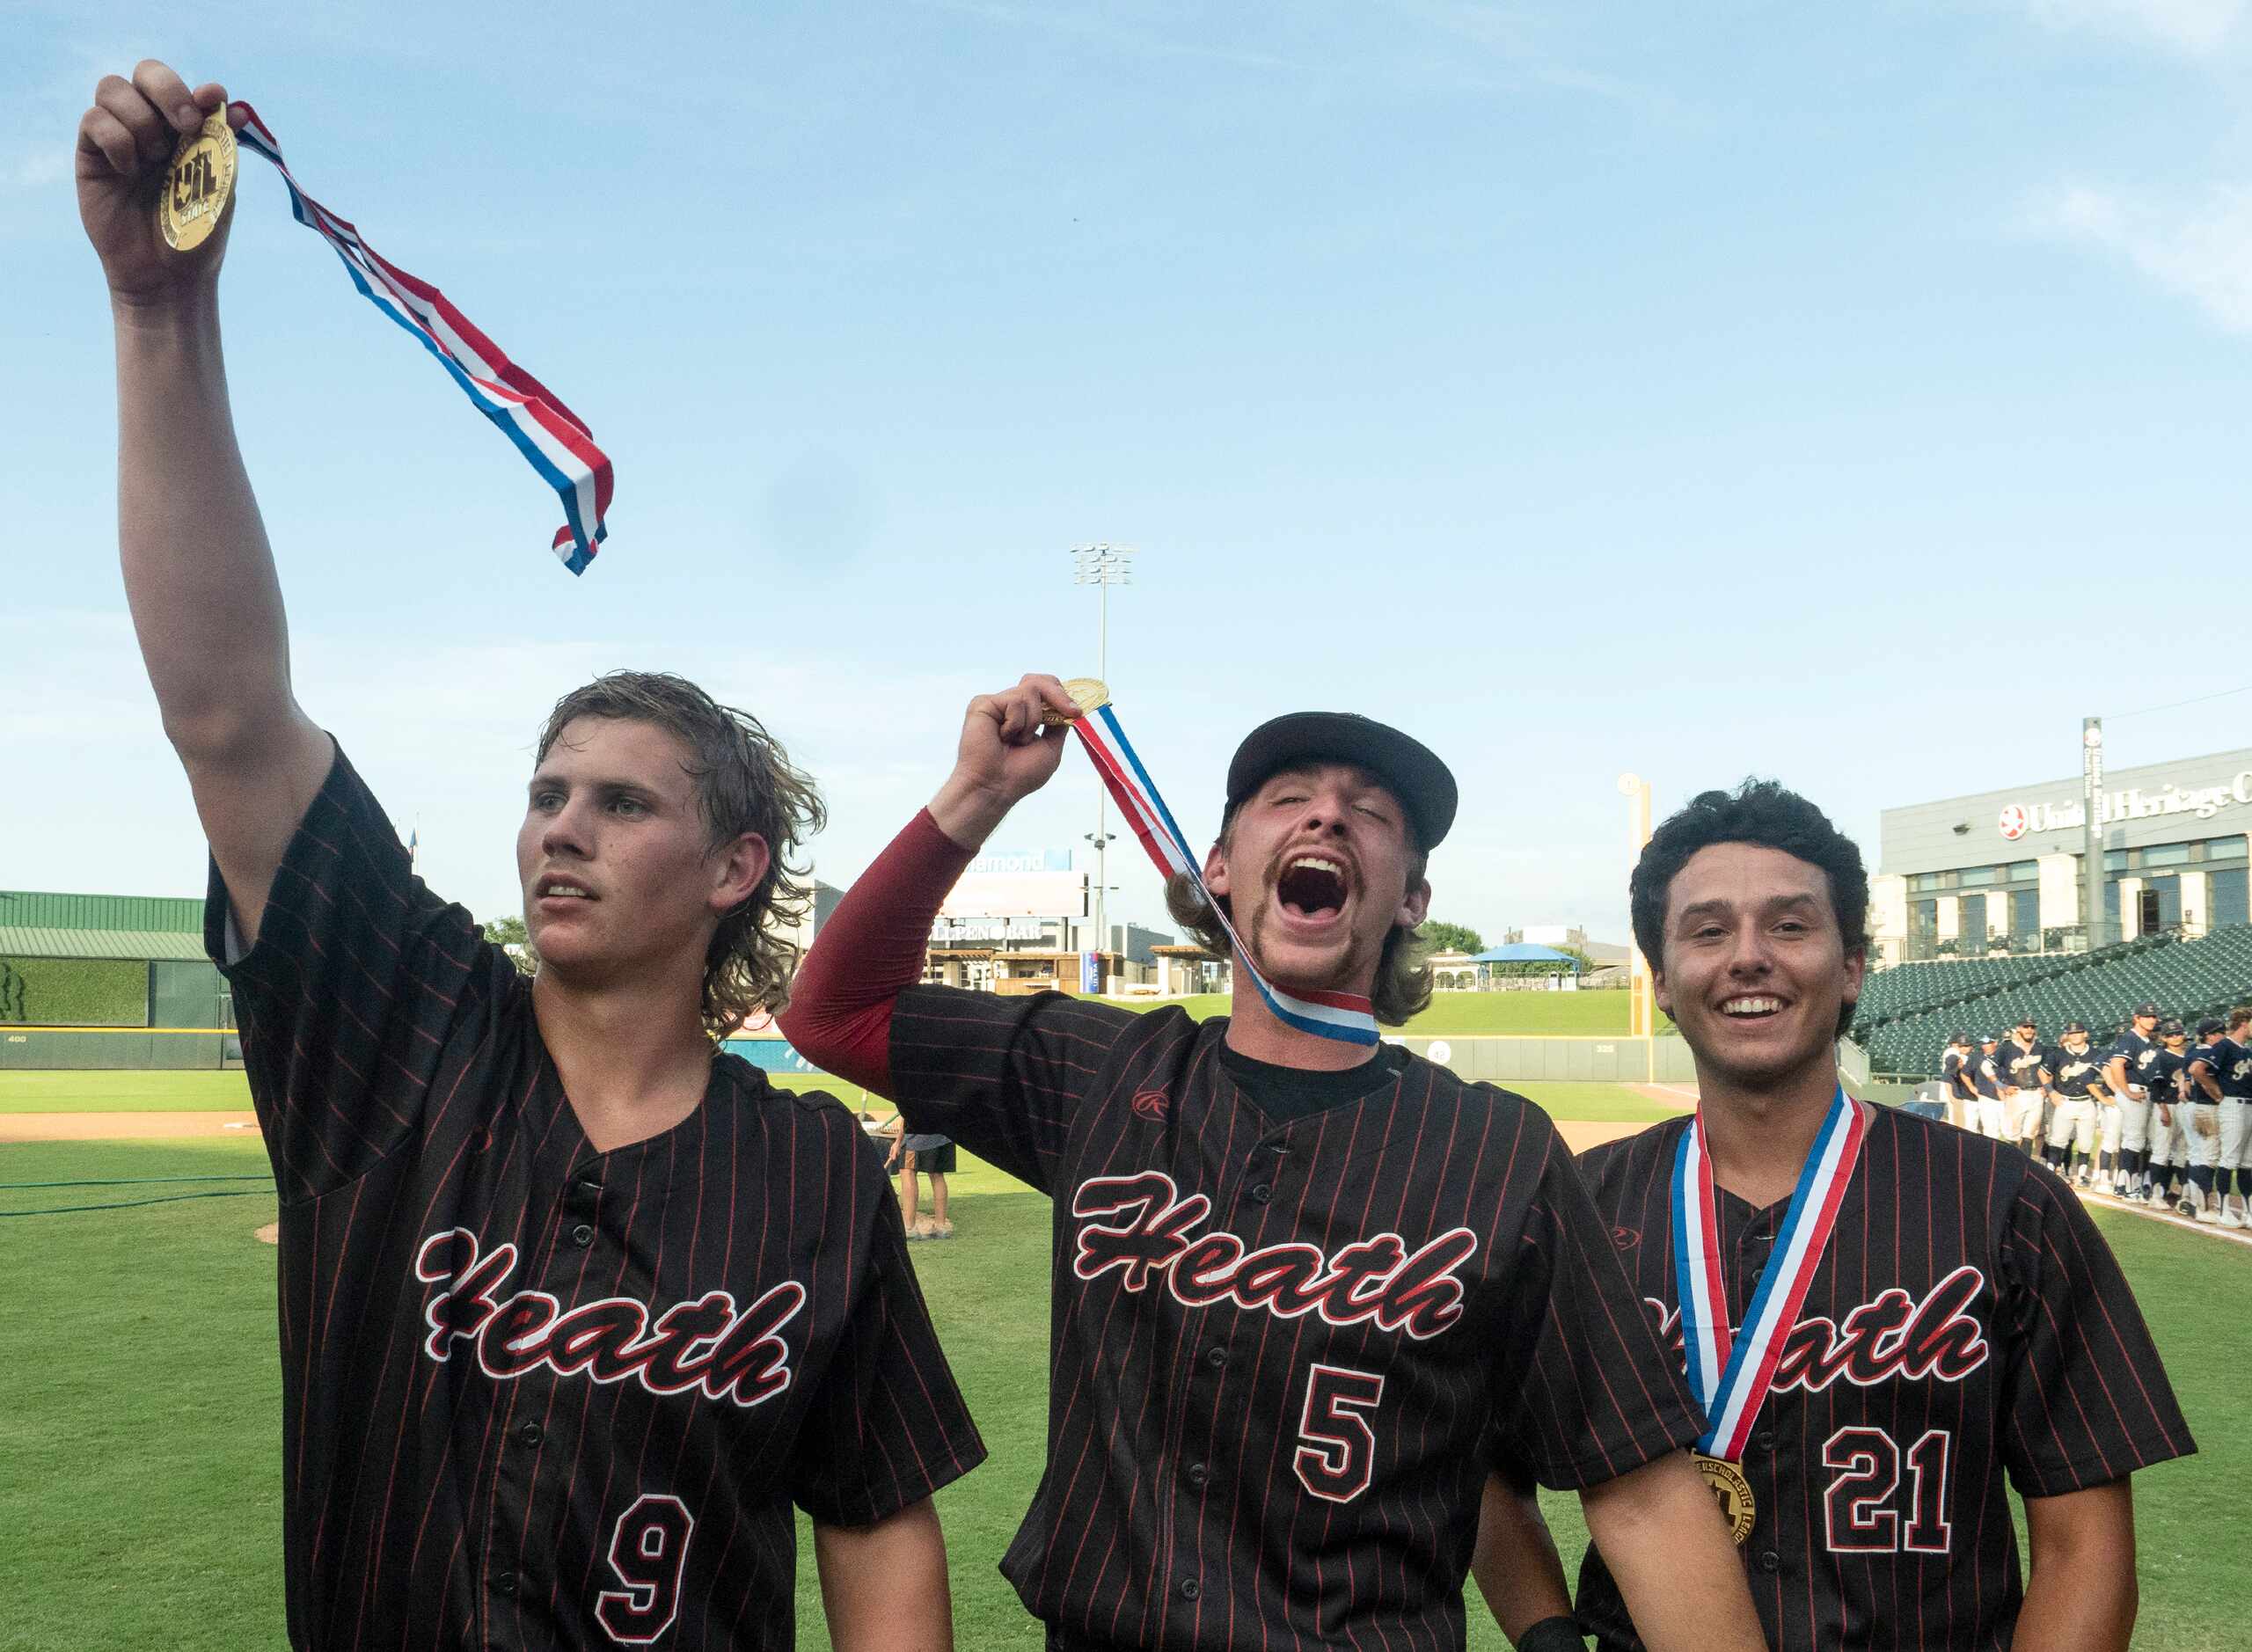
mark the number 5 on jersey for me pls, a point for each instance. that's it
(1338, 1459)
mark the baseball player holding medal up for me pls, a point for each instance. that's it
(1885, 1318)
(1306, 1286)
(576, 1310)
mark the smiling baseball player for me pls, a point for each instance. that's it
(1889, 1321)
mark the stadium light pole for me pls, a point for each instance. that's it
(2091, 853)
(1102, 566)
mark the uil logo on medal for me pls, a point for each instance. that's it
(1731, 1491)
(197, 184)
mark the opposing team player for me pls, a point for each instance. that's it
(1300, 1285)
(1957, 1073)
(1989, 1077)
(2025, 1066)
(2130, 1071)
(2075, 1123)
(2167, 1161)
(558, 1352)
(2204, 1096)
(2235, 1163)
(1888, 1321)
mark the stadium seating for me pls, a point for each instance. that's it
(2190, 978)
(1891, 994)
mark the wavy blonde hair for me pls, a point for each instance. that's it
(745, 782)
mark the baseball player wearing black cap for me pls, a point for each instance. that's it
(2168, 1160)
(1304, 1289)
(2025, 1090)
(2076, 1075)
(2206, 1092)
(2129, 1071)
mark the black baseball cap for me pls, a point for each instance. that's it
(2142, 1010)
(1989, 1038)
(2074, 1027)
(2210, 1025)
(2022, 1020)
(1408, 768)
(1960, 1038)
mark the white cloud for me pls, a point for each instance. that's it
(37, 167)
(2197, 27)
(2202, 251)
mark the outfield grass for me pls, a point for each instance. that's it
(214, 1092)
(142, 1423)
(1451, 1015)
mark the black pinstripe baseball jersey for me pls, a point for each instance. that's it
(1281, 1348)
(535, 1395)
(1966, 1320)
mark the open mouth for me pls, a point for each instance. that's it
(1311, 886)
(553, 889)
(1752, 1007)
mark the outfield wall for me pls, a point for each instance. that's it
(118, 1049)
(1497, 1059)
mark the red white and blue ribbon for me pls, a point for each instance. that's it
(1730, 1372)
(1343, 1016)
(555, 440)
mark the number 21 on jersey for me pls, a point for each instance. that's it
(1858, 1509)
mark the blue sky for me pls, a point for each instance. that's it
(1855, 396)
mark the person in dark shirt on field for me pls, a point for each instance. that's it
(1953, 1322)
(2025, 1063)
(1955, 1073)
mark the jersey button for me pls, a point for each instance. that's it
(532, 1433)
(1198, 1474)
(1190, 1589)
(1215, 1357)
(583, 1235)
(505, 1583)
(1260, 1194)
(1764, 1439)
(1770, 1562)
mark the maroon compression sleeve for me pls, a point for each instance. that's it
(869, 952)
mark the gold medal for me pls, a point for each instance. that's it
(197, 185)
(1731, 1491)
(1087, 693)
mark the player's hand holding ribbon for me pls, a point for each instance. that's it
(1010, 746)
(155, 169)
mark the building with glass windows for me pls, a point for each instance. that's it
(2000, 871)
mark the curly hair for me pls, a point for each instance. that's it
(744, 783)
(1403, 969)
(1762, 812)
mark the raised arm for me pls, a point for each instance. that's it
(872, 948)
(199, 574)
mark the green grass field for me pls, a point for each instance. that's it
(141, 1504)
(1452, 1015)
